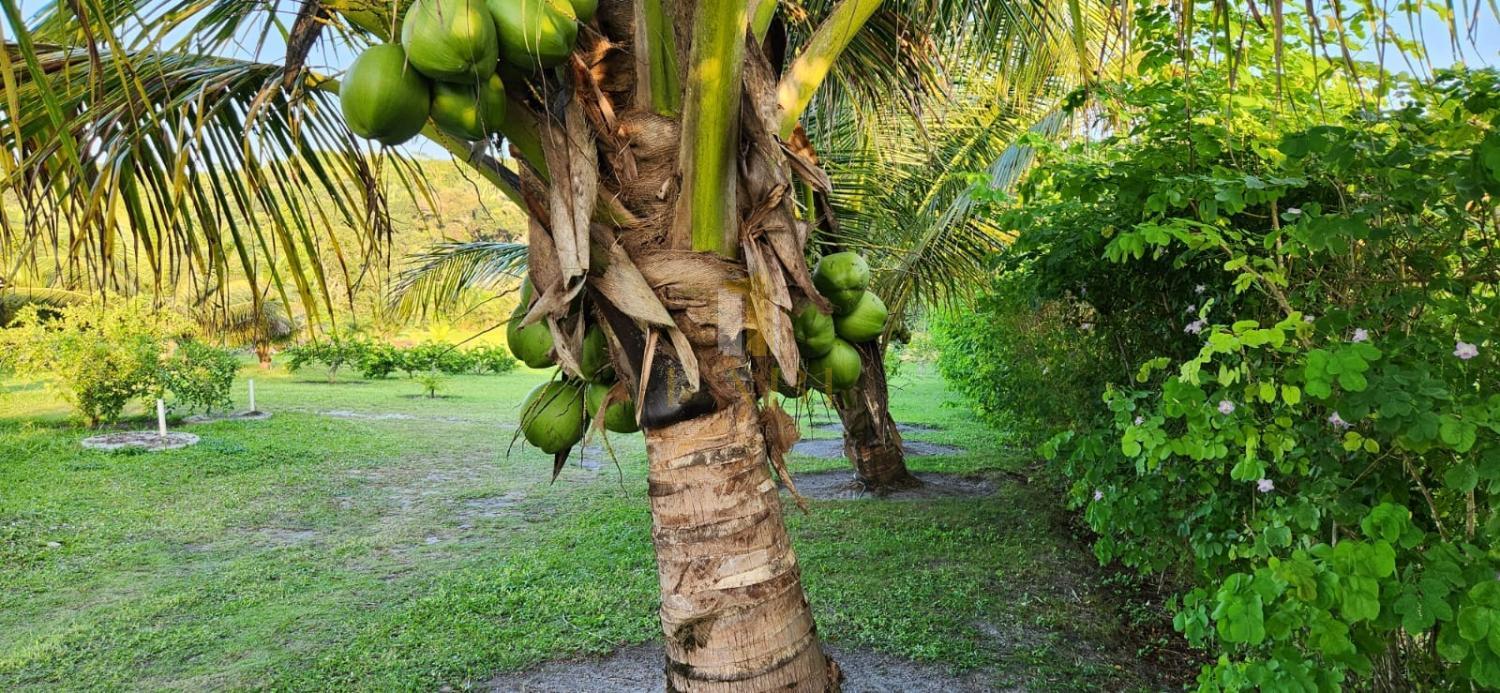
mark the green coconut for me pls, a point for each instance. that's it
(841, 272)
(594, 362)
(527, 291)
(619, 417)
(451, 40)
(535, 33)
(467, 112)
(552, 417)
(584, 9)
(837, 371)
(531, 344)
(865, 321)
(844, 301)
(382, 98)
(813, 329)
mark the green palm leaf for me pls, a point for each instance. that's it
(440, 278)
(14, 298)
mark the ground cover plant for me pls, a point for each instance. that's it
(1271, 314)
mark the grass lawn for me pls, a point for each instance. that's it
(366, 537)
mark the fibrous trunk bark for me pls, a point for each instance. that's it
(263, 354)
(872, 442)
(733, 609)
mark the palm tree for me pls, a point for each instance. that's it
(260, 323)
(662, 204)
(912, 214)
(910, 211)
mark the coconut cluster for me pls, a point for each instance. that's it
(449, 64)
(556, 414)
(826, 342)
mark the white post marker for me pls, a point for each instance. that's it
(161, 417)
(252, 396)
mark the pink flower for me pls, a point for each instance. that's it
(1192, 308)
(1140, 420)
(1265, 486)
(1195, 327)
(1199, 289)
(1338, 422)
(1098, 495)
(1226, 407)
(1360, 335)
(1466, 351)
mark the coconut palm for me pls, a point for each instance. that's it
(911, 212)
(259, 323)
(660, 165)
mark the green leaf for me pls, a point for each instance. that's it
(1353, 382)
(1457, 433)
(1474, 622)
(1386, 522)
(1359, 598)
(1462, 477)
(1415, 616)
(1291, 394)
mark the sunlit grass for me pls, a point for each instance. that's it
(368, 537)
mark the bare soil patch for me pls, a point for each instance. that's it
(838, 427)
(639, 669)
(839, 484)
(833, 448)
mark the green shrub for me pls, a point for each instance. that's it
(431, 382)
(491, 360)
(333, 353)
(380, 361)
(430, 357)
(98, 357)
(199, 376)
(1287, 311)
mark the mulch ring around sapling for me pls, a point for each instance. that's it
(236, 416)
(148, 441)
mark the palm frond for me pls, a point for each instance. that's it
(440, 278)
(251, 321)
(911, 208)
(179, 164)
(14, 298)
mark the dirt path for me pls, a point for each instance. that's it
(638, 669)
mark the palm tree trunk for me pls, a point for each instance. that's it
(733, 610)
(871, 440)
(263, 354)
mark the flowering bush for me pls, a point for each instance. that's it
(1300, 417)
